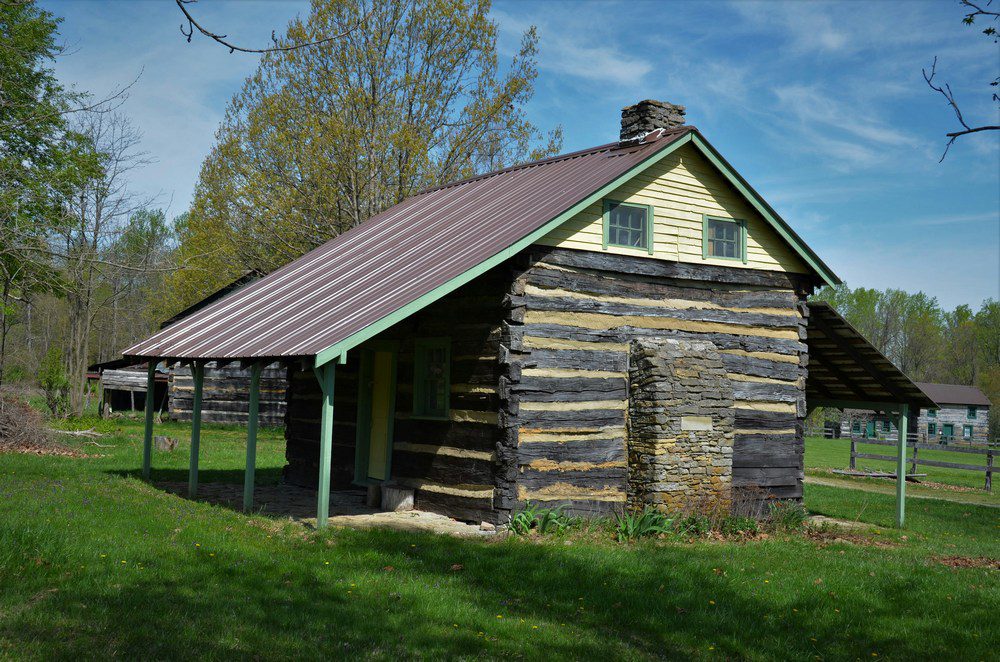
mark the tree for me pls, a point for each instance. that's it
(96, 214)
(320, 139)
(32, 104)
(973, 11)
(140, 257)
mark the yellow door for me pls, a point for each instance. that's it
(378, 446)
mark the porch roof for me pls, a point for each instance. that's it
(845, 370)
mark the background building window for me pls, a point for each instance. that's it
(932, 429)
(932, 413)
(966, 432)
(971, 414)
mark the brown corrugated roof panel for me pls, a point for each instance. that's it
(954, 394)
(394, 258)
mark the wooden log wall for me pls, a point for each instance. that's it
(302, 424)
(571, 315)
(226, 394)
(450, 464)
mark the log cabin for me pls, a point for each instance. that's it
(618, 327)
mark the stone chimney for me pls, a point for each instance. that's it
(649, 115)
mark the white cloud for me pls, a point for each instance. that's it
(956, 219)
(564, 52)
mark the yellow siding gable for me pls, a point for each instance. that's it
(681, 189)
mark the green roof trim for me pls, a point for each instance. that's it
(330, 353)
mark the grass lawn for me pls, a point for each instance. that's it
(825, 454)
(96, 563)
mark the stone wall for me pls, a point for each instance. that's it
(680, 426)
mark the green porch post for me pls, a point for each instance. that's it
(326, 379)
(198, 372)
(904, 415)
(147, 439)
(248, 479)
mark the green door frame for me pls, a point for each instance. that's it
(364, 427)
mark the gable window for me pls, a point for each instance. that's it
(932, 429)
(971, 414)
(431, 378)
(724, 238)
(628, 225)
(932, 413)
(966, 432)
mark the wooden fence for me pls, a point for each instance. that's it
(914, 459)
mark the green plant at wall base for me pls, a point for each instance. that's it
(787, 515)
(649, 522)
(738, 525)
(694, 525)
(555, 521)
(523, 520)
(543, 520)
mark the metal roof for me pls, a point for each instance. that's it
(401, 258)
(954, 394)
(845, 370)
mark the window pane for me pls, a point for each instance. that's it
(628, 226)
(723, 239)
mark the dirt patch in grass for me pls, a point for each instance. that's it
(824, 537)
(969, 562)
(948, 487)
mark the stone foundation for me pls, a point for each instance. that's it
(680, 429)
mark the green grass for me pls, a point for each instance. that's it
(95, 563)
(824, 454)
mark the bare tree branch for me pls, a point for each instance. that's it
(193, 25)
(949, 96)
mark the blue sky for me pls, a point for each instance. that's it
(821, 106)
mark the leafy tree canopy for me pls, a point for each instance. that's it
(322, 138)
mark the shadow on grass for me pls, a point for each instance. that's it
(586, 603)
(262, 476)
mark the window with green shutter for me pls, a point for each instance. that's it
(932, 429)
(971, 414)
(966, 432)
(431, 378)
(628, 225)
(932, 413)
